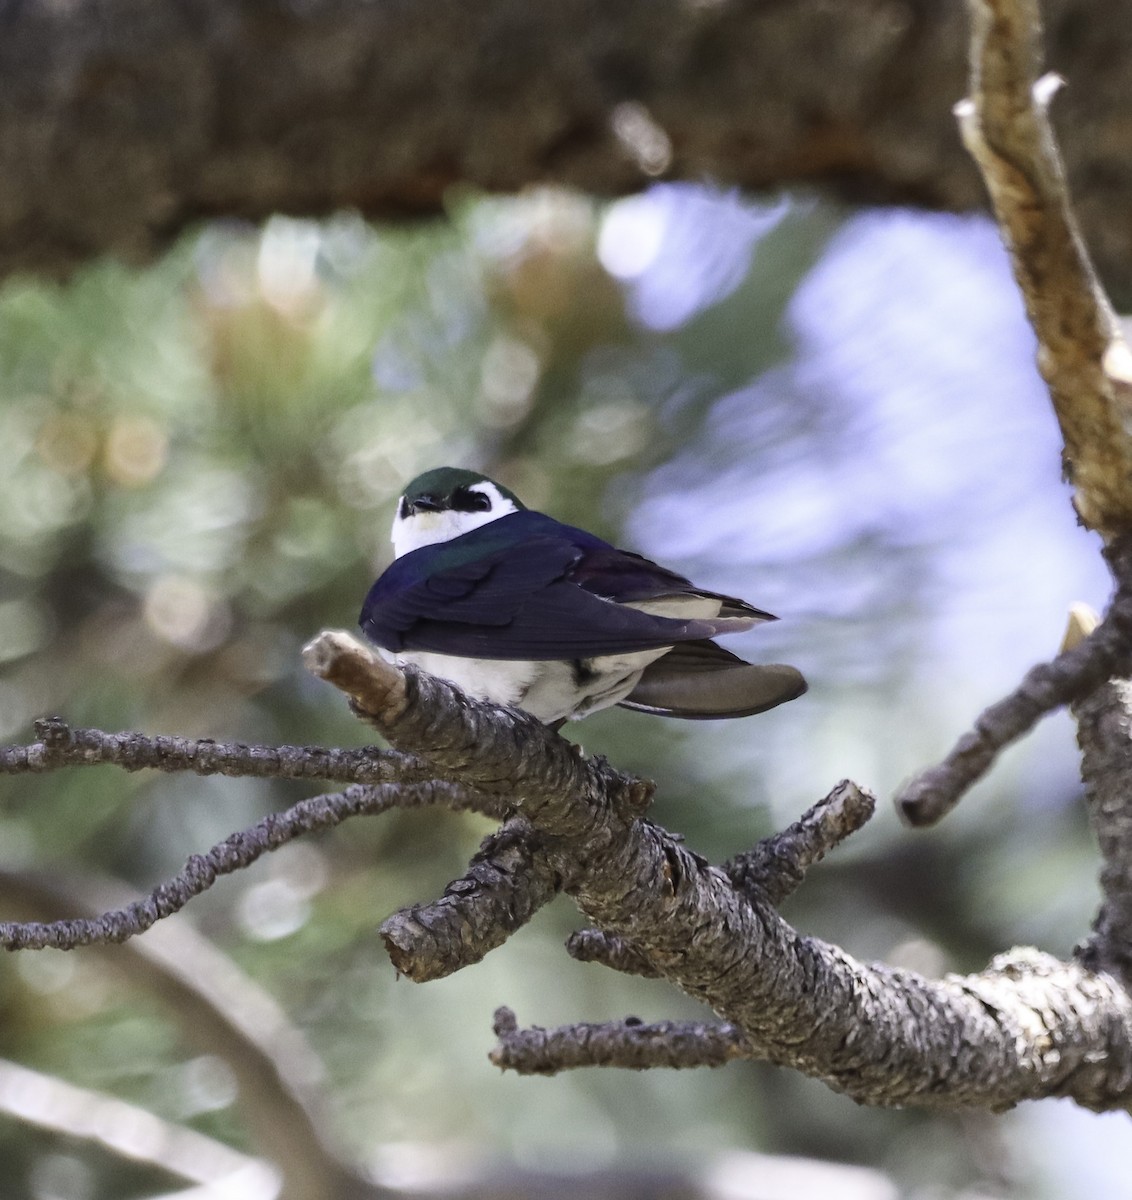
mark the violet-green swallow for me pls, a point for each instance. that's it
(514, 607)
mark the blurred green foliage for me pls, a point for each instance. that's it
(198, 464)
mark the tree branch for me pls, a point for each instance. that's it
(1082, 354)
(239, 850)
(506, 883)
(1029, 1026)
(502, 751)
(882, 1036)
(121, 126)
(1073, 674)
(1104, 732)
(220, 1011)
(777, 866)
(61, 746)
(629, 1043)
(774, 869)
(79, 1112)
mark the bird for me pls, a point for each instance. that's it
(522, 610)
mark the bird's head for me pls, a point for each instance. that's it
(443, 503)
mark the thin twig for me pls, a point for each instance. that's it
(239, 850)
(59, 746)
(1072, 675)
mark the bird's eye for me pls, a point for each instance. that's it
(467, 500)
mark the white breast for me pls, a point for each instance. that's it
(500, 681)
(551, 691)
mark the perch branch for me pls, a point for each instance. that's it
(771, 871)
(506, 883)
(630, 1043)
(893, 1034)
(502, 751)
(1028, 1026)
(1082, 354)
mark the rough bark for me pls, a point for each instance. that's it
(1028, 1026)
(1081, 349)
(1104, 720)
(123, 121)
(505, 884)
(629, 1043)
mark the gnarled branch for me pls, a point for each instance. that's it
(505, 884)
(881, 1035)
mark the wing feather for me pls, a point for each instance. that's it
(527, 587)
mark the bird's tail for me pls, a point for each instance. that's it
(701, 681)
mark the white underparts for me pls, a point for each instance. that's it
(553, 690)
(550, 690)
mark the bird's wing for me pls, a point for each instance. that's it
(630, 578)
(701, 681)
(527, 587)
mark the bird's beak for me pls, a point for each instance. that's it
(426, 504)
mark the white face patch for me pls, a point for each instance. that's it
(427, 528)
